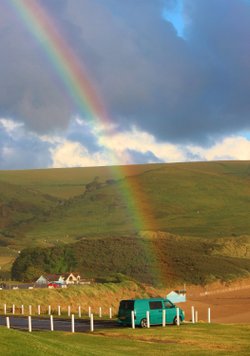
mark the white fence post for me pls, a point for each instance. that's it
(29, 323)
(91, 322)
(49, 309)
(51, 323)
(59, 310)
(110, 313)
(89, 312)
(7, 322)
(22, 309)
(73, 323)
(69, 310)
(163, 317)
(209, 315)
(30, 310)
(79, 311)
(38, 309)
(100, 312)
(192, 310)
(148, 320)
(178, 316)
(13, 308)
(5, 309)
(196, 316)
(133, 319)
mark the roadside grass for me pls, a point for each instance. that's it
(198, 339)
(100, 295)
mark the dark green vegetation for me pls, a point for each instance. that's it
(209, 203)
(189, 339)
(165, 258)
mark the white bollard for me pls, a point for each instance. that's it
(164, 317)
(49, 309)
(38, 309)
(89, 312)
(59, 310)
(192, 311)
(110, 313)
(30, 310)
(148, 320)
(51, 323)
(178, 316)
(69, 310)
(79, 311)
(22, 309)
(100, 312)
(209, 315)
(196, 316)
(7, 322)
(133, 319)
(29, 323)
(91, 322)
(5, 309)
(13, 308)
(73, 323)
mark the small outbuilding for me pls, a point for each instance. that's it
(177, 296)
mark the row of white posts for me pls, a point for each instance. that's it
(193, 312)
(195, 318)
(52, 323)
(58, 310)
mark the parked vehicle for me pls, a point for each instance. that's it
(54, 285)
(155, 306)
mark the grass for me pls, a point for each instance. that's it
(199, 339)
(96, 295)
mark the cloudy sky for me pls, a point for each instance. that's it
(173, 75)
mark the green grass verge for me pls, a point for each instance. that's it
(200, 339)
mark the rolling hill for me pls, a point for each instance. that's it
(202, 203)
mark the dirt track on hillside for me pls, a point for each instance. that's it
(229, 304)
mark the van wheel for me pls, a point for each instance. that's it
(144, 323)
(175, 320)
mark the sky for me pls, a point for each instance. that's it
(173, 76)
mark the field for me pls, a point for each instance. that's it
(187, 222)
(199, 339)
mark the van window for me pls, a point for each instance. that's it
(155, 305)
(127, 304)
(168, 305)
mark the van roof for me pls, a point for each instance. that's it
(146, 299)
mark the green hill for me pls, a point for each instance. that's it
(203, 201)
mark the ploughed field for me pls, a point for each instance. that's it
(193, 223)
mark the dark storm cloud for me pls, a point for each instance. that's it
(29, 89)
(179, 90)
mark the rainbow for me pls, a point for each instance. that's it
(75, 78)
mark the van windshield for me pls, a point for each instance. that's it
(127, 304)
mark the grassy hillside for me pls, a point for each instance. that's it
(207, 200)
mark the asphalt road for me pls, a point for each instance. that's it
(81, 325)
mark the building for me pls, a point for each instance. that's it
(63, 278)
(177, 296)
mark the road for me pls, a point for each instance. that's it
(81, 325)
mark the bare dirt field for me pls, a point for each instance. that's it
(228, 303)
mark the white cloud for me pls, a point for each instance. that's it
(141, 142)
(230, 148)
(73, 154)
(82, 145)
(10, 126)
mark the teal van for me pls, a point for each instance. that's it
(155, 306)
